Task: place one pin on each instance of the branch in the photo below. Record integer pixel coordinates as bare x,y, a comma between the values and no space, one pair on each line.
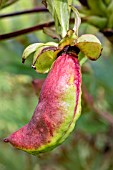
90,101
35,10
25,31
29,30
30,11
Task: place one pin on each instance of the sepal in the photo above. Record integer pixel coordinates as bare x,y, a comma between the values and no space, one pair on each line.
29,50
44,55
90,46
44,58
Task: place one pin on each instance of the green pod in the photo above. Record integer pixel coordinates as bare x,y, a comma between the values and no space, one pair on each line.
58,109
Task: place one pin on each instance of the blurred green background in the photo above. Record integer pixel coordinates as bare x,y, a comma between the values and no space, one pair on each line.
90,146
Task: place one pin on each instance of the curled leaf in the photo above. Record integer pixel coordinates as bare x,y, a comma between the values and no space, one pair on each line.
77,20
29,50
44,55
90,46
44,58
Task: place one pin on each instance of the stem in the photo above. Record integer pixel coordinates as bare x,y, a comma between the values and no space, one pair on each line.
25,31
30,11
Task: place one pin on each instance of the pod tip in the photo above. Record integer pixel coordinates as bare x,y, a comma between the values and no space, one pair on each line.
6,140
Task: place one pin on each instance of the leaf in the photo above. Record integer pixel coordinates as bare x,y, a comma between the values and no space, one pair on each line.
50,6
77,20
90,46
51,33
69,4
62,11
51,44
29,50
44,58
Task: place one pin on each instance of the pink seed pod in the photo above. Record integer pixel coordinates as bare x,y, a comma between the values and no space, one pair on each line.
58,109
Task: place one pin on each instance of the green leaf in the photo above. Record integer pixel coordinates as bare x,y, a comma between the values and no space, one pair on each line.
51,8
52,33
77,20
62,11
29,50
44,58
51,44
90,46
69,4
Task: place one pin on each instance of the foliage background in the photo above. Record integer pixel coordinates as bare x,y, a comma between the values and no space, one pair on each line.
90,146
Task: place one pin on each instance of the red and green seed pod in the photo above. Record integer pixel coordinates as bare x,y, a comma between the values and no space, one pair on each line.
58,109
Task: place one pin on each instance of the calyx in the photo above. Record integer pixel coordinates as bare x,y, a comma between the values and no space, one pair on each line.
45,54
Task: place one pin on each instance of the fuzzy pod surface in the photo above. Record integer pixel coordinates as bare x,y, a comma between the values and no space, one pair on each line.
58,109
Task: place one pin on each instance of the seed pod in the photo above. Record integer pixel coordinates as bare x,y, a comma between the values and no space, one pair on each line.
58,109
